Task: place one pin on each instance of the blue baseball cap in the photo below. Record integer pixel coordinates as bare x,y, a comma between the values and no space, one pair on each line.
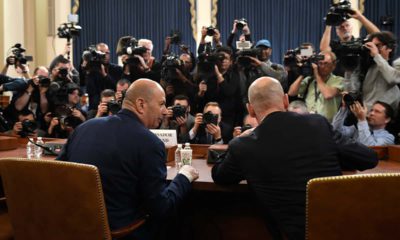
263,42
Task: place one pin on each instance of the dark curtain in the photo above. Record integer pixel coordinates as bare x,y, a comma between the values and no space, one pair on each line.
286,23
108,20
375,9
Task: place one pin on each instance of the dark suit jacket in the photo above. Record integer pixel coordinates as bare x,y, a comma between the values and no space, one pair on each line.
277,160
131,161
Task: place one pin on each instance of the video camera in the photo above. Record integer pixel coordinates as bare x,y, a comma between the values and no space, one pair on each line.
349,53
169,66
206,64
338,13
68,30
210,118
244,55
302,63
129,46
18,52
93,57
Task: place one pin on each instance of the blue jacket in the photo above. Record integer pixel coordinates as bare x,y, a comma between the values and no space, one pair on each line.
131,162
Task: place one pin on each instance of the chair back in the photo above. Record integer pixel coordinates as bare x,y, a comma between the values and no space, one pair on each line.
354,207
54,200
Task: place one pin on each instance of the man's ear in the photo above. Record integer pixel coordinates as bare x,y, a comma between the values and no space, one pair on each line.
139,104
250,109
286,101
387,120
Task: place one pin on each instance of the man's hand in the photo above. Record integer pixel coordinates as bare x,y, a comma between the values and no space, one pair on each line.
356,14
10,60
190,172
246,29
102,109
217,37
103,71
237,131
17,128
315,69
181,120
359,111
373,49
67,49
254,61
169,90
198,120
234,28
78,114
214,130
203,34
180,75
220,77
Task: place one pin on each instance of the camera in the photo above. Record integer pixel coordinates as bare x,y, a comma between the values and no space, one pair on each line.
206,64
43,81
210,118
63,73
93,57
246,127
64,114
130,47
175,37
28,127
178,111
350,98
210,31
306,64
338,13
350,52
169,66
68,30
241,23
113,107
243,56
18,52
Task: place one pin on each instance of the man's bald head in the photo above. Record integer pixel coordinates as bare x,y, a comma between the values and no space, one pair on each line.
266,93
141,88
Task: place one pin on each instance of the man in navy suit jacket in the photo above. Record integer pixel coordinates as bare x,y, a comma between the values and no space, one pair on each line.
280,155
131,160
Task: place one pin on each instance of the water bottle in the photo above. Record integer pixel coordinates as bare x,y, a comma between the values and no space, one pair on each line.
178,162
30,149
186,155
39,150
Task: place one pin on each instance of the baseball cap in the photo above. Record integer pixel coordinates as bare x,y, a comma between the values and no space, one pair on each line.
263,42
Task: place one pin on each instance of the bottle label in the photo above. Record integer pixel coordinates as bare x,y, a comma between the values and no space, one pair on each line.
186,157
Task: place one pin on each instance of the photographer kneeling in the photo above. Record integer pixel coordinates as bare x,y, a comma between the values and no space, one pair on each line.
370,127
26,125
207,127
178,117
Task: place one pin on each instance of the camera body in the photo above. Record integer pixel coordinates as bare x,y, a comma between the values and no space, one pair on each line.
338,13
350,98
350,53
240,23
64,113
210,118
113,107
28,127
43,81
18,52
210,31
131,48
178,111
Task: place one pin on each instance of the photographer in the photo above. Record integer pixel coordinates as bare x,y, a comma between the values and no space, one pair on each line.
219,81
61,62
381,77
212,32
177,78
178,117
344,31
97,70
108,105
370,128
296,63
242,25
322,90
207,128
121,88
66,116
260,65
249,122
26,125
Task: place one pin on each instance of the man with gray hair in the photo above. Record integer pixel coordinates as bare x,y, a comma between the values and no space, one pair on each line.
282,154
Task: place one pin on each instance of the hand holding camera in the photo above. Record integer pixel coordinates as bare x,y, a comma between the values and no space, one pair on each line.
214,130
359,111
202,88
17,128
102,109
373,49
10,60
